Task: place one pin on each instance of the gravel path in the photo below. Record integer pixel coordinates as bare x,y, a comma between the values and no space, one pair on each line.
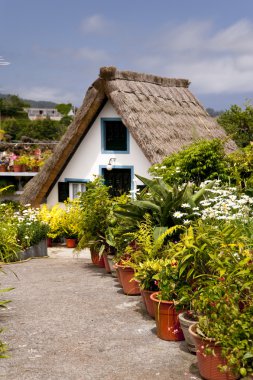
68,320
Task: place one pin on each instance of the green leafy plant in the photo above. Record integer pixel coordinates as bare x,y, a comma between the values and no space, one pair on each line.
72,218
3,302
238,123
225,309
161,201
146,273
196,163
53,217
95,204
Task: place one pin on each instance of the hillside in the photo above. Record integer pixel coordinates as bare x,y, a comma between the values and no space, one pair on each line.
34,103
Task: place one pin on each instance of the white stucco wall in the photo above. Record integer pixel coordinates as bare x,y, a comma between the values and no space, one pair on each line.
88,157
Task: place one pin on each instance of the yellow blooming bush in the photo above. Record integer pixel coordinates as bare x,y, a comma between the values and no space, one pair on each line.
62,221
54,218
72,218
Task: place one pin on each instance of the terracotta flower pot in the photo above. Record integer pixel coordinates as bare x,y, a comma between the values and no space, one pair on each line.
167,322
106,262
148,302
130,286
17,168
3,168
185,323
71,243
208,364
96,260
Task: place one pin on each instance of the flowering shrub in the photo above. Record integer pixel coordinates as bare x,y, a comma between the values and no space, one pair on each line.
20,228
220,203
30,229
53,217
72,219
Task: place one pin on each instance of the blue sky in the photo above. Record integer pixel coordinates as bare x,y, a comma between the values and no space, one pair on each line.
56,47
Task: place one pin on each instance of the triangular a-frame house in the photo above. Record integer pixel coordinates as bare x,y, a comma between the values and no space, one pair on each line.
129,119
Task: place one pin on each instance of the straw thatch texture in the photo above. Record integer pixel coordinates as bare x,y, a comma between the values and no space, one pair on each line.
161,114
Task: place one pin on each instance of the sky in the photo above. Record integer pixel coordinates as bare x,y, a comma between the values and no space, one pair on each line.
55,47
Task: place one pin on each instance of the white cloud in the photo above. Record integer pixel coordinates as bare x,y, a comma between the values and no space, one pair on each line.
191,35
47,93
89,54
94,24
236,38
3,62
215,61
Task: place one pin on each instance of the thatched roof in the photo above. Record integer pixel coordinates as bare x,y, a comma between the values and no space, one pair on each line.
161,114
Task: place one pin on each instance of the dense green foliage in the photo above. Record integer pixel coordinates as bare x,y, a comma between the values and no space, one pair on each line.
20,228
198,162
13,106
238,123
96,204
15,122
36,129
63,108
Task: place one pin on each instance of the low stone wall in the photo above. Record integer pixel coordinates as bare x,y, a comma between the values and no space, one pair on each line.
38,250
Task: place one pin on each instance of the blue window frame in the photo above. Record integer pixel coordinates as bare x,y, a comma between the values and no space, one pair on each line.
120,178
114,136
71,188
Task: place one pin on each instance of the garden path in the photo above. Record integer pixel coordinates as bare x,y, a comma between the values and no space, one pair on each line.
68,320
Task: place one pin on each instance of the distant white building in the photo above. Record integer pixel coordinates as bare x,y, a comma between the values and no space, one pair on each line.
43,113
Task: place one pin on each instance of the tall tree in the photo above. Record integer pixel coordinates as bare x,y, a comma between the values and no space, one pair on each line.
13,106
238,123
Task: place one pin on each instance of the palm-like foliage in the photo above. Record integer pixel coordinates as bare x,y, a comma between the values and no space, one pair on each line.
161,201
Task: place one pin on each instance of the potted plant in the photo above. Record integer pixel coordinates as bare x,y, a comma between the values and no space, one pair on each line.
167,303
223,334
95,204
53,217
3,164
71,221
145,273
142,247
21,163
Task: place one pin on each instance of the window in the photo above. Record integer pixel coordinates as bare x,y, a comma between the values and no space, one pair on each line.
76,188
70,190
63,191
114,136
119,180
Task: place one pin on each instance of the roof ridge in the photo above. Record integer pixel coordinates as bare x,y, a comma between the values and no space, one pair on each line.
109,73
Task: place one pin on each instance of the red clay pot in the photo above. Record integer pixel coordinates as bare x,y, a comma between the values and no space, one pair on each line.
208,364
49,242
17,168
106,262
3,168
96,260
130,286
70,243
167,322
148,302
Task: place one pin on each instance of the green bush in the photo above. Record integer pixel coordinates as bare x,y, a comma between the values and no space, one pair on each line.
95,204
198,162
238,123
